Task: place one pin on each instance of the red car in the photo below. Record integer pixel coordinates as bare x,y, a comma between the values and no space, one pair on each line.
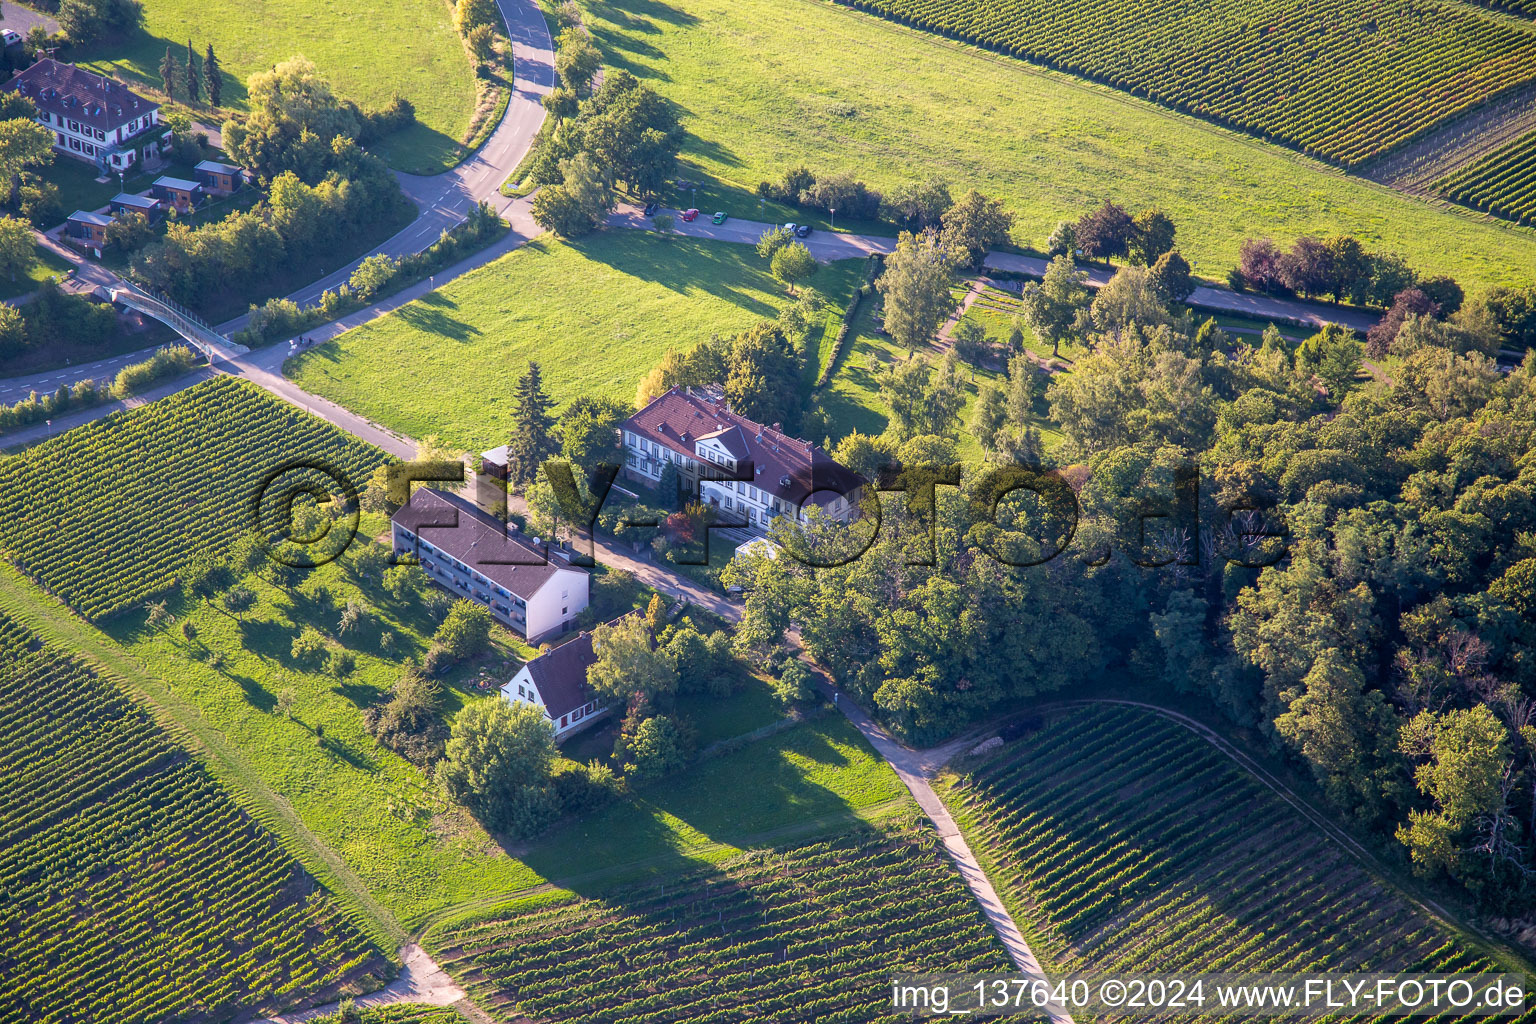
690,214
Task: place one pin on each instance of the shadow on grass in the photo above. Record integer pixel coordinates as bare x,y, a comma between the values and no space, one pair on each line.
256,695
683,265
429,313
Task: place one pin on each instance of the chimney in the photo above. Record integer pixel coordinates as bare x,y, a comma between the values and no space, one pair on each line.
778,426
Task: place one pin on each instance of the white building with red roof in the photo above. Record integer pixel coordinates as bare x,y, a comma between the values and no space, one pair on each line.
772,473
92,118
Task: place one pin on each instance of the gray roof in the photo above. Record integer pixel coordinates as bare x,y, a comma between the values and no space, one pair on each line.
216,167
130,199
462,530
87,217
180,183
560,673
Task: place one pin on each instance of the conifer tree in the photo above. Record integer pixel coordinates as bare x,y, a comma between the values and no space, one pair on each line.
532,438
211,76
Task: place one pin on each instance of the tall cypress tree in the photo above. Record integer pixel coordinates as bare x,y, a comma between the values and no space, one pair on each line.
532,438
168,68
194,82
211,75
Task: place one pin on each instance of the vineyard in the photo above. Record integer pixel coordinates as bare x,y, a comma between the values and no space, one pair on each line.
1344,80
1134,845
104,516
1502,183
131,887
801,934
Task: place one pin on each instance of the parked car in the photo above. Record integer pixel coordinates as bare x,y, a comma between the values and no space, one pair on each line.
692,213
802,230
651,208
720,217
790,228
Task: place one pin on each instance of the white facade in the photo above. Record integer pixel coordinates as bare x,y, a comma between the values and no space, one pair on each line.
647,459
551,609
522,690
80,140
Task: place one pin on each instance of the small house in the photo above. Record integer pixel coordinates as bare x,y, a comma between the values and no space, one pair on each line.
494,463
555,683
219,179
180,193
126,202
87,228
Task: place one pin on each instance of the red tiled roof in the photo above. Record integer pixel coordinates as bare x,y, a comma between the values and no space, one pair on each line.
79,95
784,466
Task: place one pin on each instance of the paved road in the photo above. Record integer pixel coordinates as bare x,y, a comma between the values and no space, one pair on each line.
446,199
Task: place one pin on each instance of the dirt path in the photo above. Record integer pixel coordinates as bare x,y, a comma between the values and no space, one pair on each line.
946,333
421,980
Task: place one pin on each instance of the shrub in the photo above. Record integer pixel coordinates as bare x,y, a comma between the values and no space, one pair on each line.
166,363
308,647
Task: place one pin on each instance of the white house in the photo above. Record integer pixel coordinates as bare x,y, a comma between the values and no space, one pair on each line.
471,553
779,475
556,683
92,118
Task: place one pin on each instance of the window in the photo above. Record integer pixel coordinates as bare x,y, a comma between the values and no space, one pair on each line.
563,719
520,692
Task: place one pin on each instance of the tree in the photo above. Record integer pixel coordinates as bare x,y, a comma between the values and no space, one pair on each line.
129,232
1171,277
1258,264
1466,752
193,77
577,61
308,648
1408,302
971,342
1349,264
793,263
918,205
532,441
772,241
973,226
628,663
580,203
239,600
206,577
1308,268
1130,298
1334,356
866,454
213,78
1343,731
1443,292
989,418
373,274
23,144
465,631
169,72
655,748
481,41
1054,308
796,684
18,251
842,193
1152,234
921,401
1062,240
762,375
469,13
1105,232
588,432
497,763
916,285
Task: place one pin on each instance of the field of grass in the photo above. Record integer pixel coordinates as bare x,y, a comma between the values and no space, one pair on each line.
850,91
80,514
369,51
135,888
1502,183
799,933
1128,843
47,265
597,314
1371,75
